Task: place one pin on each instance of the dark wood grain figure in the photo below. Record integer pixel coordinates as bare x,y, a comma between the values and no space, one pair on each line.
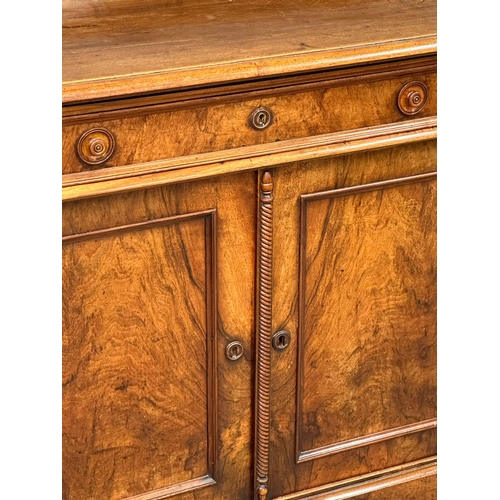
128,402
319,304
367,366
152,407
249,250
116,49
219,123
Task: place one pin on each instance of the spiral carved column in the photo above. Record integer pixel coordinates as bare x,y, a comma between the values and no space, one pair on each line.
264,334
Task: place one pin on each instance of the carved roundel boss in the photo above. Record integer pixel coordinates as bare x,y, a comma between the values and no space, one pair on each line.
95,146
412,98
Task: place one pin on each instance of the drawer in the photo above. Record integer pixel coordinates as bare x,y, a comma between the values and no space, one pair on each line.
346,101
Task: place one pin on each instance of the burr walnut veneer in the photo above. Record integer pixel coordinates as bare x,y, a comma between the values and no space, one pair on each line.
249,250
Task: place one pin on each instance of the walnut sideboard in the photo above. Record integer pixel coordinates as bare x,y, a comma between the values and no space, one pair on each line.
249,250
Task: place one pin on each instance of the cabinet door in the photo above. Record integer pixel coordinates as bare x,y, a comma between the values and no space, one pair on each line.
156,284
354,282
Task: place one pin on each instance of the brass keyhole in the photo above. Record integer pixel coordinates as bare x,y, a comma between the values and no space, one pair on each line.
261,118
281,340
234,350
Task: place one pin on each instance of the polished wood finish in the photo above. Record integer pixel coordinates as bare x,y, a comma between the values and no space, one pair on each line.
412,98
152,407
181,98
360,375
78,186
415,480
377,351
215,125
116,49
418,488
95,146
123,388
232,186
264,313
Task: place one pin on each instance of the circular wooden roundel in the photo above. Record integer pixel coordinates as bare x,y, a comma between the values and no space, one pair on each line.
95,146
412,98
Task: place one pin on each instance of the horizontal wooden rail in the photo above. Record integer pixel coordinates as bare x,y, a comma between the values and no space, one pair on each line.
187,168
258,68
361,485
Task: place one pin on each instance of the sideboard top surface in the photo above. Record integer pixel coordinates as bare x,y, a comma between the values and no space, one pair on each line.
117,48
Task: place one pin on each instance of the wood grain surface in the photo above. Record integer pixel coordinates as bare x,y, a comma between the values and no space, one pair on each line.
113,48
181,98
138,396
367,335
176,170
120,218
264,316
193,230
155,285
364,294
412,480
213,126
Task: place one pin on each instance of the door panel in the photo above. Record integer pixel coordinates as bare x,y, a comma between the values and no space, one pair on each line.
356,390
366,342
152,408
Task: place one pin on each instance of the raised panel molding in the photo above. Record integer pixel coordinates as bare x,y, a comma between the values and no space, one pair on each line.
162,172
249,250
132,397
386,482
408,214
376,437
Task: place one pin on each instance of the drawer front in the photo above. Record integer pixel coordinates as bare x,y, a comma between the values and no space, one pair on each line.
177,129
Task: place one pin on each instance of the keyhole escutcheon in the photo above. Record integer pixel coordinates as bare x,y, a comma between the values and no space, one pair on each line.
261,118
281,340
234,350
